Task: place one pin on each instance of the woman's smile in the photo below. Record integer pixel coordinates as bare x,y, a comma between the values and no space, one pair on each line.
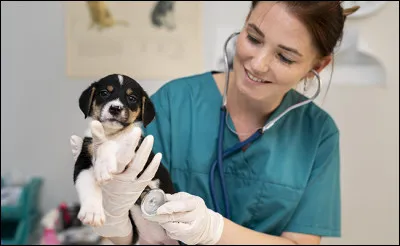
250,78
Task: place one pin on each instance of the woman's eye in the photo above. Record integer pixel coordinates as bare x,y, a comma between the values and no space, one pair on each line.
132,99
104,93
252,39
285,60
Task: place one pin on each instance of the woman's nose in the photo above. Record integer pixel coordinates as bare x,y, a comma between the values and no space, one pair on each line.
260,62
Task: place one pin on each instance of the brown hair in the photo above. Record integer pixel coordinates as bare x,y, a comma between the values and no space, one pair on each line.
325,22
323,19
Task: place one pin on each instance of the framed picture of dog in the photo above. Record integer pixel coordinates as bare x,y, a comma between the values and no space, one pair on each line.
149,40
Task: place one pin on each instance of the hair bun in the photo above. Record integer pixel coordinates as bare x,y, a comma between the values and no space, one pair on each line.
351,10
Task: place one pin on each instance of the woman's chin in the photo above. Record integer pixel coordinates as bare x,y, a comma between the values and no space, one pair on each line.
252,90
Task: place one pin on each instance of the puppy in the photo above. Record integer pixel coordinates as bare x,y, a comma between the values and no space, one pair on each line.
119,103
163,15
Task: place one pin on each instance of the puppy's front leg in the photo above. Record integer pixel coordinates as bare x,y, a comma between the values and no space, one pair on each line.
90,197
105,161
127,143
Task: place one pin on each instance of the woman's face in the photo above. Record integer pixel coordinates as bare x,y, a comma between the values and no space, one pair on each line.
274,51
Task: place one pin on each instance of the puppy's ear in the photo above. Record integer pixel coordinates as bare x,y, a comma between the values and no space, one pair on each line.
85,100
148,111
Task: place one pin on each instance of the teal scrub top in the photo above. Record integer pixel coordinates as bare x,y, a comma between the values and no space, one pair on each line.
287,180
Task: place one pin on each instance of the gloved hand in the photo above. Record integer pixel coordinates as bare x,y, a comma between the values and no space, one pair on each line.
122,190
186,218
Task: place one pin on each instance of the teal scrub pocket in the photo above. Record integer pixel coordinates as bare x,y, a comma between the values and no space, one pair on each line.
274,206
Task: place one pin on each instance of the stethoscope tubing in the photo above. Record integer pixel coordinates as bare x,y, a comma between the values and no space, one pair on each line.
224,154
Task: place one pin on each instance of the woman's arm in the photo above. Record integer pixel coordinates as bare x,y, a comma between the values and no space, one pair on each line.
237,234
199,225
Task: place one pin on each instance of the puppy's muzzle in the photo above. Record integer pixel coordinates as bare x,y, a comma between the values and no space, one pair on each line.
115,110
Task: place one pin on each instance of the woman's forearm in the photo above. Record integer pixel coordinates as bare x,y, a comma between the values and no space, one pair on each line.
237,234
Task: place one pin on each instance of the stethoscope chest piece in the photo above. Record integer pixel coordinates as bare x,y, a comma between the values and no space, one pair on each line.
152,201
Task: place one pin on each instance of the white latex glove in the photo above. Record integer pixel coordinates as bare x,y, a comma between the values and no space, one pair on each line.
186,218
122,190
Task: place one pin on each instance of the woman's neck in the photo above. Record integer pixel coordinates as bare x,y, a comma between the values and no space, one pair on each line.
246,114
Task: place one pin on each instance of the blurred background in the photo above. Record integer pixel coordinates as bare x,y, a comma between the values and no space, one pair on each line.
39,113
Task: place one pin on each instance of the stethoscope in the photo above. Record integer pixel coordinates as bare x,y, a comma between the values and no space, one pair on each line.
224,154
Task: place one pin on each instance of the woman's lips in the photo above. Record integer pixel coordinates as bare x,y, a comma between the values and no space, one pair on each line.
253,79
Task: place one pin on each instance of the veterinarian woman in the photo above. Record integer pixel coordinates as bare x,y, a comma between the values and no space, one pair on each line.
283,188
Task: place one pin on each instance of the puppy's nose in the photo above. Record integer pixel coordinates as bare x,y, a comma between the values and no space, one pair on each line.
115,110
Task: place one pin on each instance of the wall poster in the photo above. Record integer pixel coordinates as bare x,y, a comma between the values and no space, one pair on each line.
147,40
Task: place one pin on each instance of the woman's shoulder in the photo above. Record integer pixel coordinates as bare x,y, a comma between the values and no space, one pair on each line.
313,115
197,87
189,82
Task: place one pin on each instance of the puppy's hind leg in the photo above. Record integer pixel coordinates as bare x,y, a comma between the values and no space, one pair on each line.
90,196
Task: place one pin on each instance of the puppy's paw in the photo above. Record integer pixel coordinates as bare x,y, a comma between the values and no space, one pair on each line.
104,169
92,212
105,164
97,132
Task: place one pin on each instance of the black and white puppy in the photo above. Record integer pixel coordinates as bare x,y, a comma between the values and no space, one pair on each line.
119,103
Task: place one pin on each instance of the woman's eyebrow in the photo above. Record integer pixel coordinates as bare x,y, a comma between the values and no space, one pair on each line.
290,49
256,29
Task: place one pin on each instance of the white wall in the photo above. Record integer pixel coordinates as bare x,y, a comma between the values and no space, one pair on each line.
39,112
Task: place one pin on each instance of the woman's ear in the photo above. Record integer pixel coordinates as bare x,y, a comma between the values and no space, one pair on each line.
320,65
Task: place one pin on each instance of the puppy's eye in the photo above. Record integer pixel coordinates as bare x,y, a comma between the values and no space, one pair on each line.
104,93
132,99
